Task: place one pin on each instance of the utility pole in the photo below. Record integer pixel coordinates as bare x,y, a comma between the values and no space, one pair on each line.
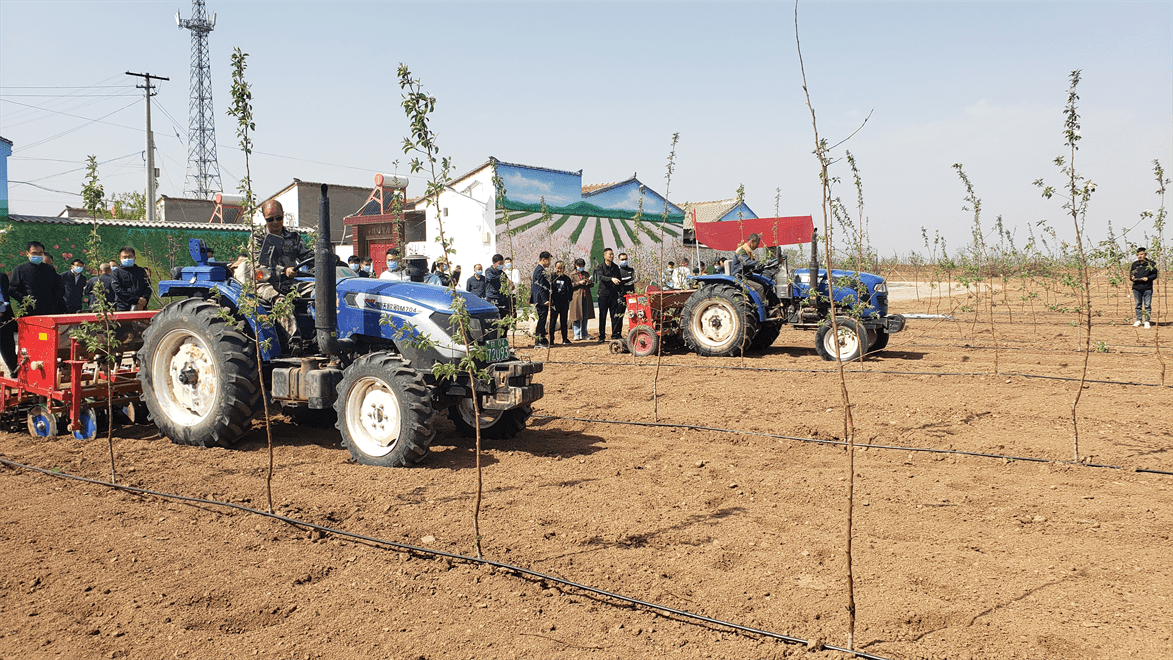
147,87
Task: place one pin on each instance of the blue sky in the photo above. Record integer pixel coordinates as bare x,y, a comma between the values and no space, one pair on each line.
602,87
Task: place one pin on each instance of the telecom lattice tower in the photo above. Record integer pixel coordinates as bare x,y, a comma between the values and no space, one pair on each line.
203,170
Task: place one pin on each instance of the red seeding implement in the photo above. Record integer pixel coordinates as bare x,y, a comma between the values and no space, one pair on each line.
653,317
57,377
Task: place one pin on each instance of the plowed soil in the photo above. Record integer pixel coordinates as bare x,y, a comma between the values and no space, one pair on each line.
955,556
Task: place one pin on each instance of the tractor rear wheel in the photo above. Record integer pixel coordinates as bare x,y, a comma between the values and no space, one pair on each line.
718,322
852,340
385,412
495,424
198,375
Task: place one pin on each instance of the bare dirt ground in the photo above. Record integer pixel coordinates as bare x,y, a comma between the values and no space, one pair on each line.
955,556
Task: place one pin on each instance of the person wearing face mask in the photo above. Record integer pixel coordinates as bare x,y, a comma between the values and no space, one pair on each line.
395,269
354,262
105,276
495,278
439,274
477,285
368,267
582,305
132,286
74,283
38,280
561,291
626,275
513,273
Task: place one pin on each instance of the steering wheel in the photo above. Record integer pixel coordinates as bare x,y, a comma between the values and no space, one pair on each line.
766,265
307,263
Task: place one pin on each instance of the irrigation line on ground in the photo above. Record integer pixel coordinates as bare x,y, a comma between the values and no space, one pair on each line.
857,371
449,555
841,443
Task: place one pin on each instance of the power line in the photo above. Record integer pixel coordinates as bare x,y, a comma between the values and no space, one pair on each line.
63,192
76,128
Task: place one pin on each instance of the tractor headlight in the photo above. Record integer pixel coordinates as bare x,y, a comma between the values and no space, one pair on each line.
882,287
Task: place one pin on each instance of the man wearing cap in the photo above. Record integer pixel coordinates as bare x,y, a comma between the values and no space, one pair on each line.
1142,273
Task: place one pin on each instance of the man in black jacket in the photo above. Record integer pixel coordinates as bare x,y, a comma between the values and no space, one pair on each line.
1142,273
610,282
38,280
74,283
7,328
106,277
477,285
561,289
132,286
539,295
627,275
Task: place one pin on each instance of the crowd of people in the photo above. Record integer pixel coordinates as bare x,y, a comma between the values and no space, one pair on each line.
35,288
565,296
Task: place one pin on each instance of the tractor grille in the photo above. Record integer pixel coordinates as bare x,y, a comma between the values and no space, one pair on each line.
482,326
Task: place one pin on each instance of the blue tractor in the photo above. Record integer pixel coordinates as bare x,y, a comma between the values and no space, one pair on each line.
355,351
723,317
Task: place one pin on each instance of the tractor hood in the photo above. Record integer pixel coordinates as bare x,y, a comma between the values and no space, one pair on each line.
405,297
875,298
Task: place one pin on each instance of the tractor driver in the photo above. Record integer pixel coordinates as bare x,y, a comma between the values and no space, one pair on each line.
744,263
278,251
280,258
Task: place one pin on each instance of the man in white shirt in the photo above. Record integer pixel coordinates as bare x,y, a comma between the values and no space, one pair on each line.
395,271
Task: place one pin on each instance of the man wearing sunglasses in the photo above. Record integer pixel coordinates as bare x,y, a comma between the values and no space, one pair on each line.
278,251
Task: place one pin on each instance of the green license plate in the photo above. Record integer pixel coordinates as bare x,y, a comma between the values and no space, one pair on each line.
498,350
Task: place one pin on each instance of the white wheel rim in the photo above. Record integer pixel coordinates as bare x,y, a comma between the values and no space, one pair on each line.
186,376
848,343
487,417
373,416
713,323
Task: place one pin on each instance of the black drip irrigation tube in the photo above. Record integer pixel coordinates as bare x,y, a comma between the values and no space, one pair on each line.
853,371
440,553
842,443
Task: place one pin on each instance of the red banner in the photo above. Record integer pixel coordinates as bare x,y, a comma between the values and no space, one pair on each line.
774,231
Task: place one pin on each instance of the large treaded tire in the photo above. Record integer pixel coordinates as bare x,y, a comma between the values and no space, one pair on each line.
716,322
385,412
853,340
767,334
878,340
198,375
502,426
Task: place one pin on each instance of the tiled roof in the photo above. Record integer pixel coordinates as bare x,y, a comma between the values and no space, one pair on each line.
707,211
596,188
56,220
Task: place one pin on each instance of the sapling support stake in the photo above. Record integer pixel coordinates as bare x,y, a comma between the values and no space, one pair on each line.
848,423
663,221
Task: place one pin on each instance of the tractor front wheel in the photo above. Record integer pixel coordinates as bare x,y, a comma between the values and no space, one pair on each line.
384,412
852,340
494,424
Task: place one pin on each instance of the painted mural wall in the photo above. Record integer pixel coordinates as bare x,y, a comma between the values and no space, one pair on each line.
574,225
